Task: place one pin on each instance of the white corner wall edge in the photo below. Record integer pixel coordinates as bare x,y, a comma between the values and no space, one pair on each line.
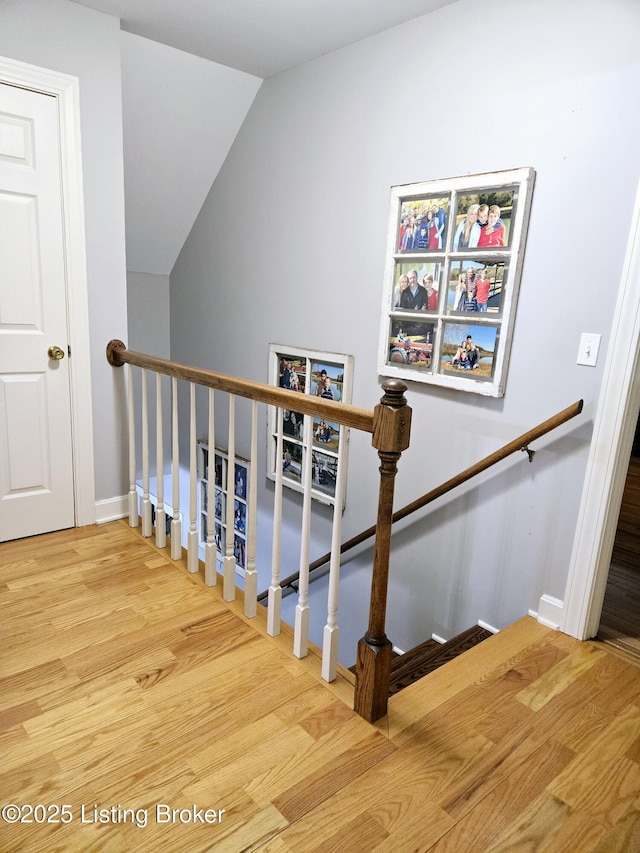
66,89
613,431
550,612
111,509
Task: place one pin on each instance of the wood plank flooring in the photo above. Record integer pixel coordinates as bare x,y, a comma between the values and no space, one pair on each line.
126,683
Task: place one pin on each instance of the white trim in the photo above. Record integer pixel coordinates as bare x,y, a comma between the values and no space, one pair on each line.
488,627
608,462
111,509
550,612
66,89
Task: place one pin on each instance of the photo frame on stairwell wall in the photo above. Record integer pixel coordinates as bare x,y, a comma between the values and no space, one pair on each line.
325,375
454,257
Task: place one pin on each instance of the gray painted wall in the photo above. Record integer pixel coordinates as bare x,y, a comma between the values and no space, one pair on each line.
290,246
71,39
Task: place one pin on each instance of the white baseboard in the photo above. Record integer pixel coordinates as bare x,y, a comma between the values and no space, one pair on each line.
550,612
488,627
111,509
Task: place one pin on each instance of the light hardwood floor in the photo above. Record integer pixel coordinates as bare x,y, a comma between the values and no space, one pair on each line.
126,683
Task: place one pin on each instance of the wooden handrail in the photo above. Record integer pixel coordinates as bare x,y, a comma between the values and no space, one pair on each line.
390,426
520,443
342,413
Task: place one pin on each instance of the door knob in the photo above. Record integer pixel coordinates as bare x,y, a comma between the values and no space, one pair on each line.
55,353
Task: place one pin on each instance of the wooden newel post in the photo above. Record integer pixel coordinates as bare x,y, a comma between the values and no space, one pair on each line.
391,429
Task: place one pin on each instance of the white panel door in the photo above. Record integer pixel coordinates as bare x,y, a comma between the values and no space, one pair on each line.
36,470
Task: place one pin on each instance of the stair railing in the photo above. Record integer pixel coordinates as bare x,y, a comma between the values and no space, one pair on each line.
389,424
364,660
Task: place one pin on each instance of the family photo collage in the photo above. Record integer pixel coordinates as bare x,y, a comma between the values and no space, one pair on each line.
453,274
328,377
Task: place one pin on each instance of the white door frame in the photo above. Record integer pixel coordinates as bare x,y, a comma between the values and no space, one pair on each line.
611,442
66,89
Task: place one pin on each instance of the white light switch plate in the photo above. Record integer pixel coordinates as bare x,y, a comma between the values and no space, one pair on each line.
588,350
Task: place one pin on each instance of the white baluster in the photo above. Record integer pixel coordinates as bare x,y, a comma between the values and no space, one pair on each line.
275,590
192,536
210,551
301,631
133,495
331,631
147,528
251,575
229,562
161,515
176,525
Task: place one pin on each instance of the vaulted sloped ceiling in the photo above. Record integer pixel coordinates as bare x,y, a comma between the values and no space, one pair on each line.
180,117
190,72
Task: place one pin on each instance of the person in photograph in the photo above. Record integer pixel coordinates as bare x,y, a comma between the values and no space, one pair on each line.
482,283
294,380
421,241
403,228
285,382
440,219
472,354
460,357
470,302
493,232
323,376
327,390
461,293
409,234
432,293
240,490
483,215
468,231
414,298
403,284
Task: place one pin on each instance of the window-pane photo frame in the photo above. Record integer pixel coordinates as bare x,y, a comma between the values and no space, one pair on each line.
328,376
454,257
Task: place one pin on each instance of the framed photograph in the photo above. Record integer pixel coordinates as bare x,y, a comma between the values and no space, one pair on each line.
423,222
240,490
459,273
214,517
325,375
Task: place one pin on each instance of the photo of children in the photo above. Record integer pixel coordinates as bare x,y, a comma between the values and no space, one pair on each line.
483,219
469,350
326,434
423,224
327,380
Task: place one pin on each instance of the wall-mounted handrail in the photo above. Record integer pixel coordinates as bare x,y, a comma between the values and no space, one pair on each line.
518,444
351,416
